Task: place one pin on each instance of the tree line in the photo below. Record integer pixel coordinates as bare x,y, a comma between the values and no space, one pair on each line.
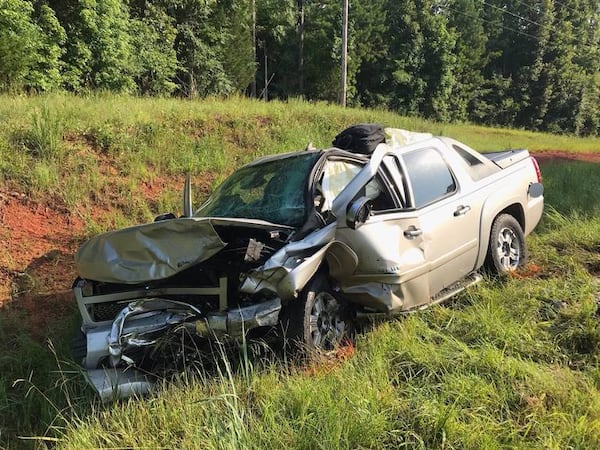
523,63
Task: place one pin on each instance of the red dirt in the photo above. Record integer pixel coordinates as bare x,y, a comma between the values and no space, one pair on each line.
36,263
530,270
37,243
324,363
546,156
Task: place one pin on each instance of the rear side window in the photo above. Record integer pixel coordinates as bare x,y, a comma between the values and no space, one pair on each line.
475,167
429,176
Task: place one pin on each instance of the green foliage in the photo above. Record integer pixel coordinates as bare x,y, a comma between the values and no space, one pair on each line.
98,54
235,17
471,40
508,364
154,60
29,46
501,62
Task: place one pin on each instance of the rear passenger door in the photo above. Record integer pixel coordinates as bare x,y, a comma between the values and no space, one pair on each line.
449,222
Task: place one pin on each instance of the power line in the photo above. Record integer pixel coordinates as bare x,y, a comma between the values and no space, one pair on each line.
507,11
528,6
565,6
519,32
547,27
491,21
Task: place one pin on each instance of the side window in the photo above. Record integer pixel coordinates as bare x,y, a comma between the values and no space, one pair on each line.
429,176
376,191
336,176
475,167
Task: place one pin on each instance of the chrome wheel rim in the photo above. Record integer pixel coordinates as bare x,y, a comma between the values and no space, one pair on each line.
508,249
326,326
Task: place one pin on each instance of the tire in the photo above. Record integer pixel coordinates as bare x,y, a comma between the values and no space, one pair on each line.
316,320
507,250
79,347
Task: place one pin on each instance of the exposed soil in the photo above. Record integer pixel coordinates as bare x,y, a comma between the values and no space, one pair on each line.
38,241
36,263
547,156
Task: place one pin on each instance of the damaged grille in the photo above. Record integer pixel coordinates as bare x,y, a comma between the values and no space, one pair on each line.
106,311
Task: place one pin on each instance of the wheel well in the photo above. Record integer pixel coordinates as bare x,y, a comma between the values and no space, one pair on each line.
516,211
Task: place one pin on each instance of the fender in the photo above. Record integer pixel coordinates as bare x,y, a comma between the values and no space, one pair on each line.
493,206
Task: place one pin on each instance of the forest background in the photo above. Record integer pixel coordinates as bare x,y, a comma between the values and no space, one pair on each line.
531,64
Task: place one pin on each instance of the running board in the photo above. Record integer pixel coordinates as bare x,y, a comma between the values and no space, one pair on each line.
455,288
444,294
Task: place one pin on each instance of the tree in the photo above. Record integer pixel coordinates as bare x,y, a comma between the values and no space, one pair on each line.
421,58
154,60
98,51
466,22
29,46
233,19
213,45
278,45
368,49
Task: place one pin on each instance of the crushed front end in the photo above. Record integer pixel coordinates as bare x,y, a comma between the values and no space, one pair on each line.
131,329
126,325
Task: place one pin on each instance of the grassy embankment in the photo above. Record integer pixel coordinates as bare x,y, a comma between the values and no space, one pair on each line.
509,363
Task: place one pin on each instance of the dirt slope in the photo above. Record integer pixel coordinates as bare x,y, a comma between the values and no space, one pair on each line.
38,241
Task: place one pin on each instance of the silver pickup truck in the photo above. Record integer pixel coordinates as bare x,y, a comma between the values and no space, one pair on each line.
305,245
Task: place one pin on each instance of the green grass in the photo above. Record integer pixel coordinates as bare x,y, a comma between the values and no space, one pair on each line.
509,364
496,368
53,146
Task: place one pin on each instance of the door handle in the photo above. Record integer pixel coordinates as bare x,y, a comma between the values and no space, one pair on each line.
462,210
413,232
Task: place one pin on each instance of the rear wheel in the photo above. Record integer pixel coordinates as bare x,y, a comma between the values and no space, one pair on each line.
507,249
317,319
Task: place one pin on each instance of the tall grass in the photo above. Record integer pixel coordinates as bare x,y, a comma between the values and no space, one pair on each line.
78,148
486,371
509,364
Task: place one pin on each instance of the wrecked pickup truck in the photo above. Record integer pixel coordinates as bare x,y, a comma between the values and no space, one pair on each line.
305,243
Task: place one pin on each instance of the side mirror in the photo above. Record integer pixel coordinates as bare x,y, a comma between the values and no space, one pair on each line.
187,197
358,212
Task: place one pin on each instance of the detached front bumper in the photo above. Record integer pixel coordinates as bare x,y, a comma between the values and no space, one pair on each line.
141,323
115,383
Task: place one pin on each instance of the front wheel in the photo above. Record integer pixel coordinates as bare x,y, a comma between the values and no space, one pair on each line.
317,319
507,249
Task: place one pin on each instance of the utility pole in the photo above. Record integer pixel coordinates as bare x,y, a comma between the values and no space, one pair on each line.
253,85
266,91
301,50
344,53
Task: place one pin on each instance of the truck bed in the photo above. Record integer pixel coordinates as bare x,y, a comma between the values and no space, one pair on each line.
506,158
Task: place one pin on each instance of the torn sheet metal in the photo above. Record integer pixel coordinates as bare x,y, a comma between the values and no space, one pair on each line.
148,252
290,268
237,322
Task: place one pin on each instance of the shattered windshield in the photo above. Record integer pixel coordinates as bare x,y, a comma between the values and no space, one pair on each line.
273,191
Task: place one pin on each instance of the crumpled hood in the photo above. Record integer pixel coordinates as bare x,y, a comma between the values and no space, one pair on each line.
148,252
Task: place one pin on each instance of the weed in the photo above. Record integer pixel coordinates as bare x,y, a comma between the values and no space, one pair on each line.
508,364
